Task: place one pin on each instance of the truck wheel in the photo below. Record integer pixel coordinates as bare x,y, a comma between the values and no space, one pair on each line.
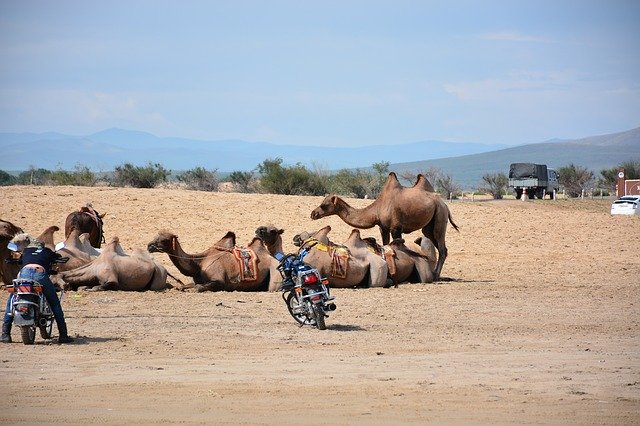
540,194
532,195
518,193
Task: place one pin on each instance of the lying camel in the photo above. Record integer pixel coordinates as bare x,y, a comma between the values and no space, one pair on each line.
223,266
113,269
78,249
8,271
353,264
398,210
405,264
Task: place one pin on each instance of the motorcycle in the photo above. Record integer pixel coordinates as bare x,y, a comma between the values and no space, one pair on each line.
30,308
304,291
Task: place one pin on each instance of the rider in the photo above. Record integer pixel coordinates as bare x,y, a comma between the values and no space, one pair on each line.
36,263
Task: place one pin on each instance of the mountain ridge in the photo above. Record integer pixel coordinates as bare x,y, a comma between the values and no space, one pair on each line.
465,162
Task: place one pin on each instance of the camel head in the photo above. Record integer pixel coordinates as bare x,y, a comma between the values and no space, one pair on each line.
320,235
269,234
163,242
328,207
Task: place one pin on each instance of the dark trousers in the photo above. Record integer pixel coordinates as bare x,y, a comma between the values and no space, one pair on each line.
49,291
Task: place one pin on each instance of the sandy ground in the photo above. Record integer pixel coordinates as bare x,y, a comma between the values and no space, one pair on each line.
538,325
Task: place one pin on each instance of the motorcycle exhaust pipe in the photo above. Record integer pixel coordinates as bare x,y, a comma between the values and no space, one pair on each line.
42,322
330,307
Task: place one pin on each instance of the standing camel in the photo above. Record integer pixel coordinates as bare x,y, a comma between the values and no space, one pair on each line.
397,210
219,267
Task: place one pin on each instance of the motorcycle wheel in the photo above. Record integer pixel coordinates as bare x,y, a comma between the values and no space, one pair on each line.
318,313
28,333
45,330
292,303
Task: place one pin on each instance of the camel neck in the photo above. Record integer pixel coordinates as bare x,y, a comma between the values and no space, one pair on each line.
366,217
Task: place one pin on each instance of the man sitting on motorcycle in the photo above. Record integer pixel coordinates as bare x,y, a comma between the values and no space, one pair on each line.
36,261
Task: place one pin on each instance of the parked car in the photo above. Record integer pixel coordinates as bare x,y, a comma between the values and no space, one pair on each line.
629,204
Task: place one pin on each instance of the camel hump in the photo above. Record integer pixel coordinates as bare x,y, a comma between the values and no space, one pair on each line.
392,183
423,183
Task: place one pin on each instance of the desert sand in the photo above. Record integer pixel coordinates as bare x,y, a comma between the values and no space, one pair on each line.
537,323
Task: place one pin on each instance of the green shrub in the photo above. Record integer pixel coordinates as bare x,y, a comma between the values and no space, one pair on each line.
293,180
6,179
200,179
140,177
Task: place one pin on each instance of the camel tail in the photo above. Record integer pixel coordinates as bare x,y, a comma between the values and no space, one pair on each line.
453,223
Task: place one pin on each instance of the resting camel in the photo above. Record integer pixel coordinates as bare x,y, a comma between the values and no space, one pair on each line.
8,271
353,264
78,249
223,266
86,219
398,210
113,269
405,264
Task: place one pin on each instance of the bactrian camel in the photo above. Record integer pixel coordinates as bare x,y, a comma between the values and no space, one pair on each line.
8,271
398,210
86,219
113,269
352,264
220,267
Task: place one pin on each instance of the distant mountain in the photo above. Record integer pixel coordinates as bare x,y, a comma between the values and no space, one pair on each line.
465,162
104,150
595,153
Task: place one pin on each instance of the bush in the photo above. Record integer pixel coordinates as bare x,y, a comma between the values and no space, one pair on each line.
243,181
496,184
575,179
609,177
34,176
294,180
200,179
140,177
6,179
82,176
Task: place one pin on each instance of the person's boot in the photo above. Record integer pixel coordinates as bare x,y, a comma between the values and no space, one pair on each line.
6,333
64,337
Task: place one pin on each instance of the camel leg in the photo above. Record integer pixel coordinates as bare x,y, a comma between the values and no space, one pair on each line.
384,233
436,231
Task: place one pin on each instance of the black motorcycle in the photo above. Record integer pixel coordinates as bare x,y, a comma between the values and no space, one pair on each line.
30,308
304,291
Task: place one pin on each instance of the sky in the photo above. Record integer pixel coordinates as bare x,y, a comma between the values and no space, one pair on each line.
336,73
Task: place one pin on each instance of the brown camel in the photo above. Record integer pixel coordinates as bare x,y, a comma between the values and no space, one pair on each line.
113,269
397,210
353,264
271,236
405,264
86,219
78,249
8,271
223,266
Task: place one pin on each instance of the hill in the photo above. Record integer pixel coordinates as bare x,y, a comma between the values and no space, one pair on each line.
104,150
465,162
595,153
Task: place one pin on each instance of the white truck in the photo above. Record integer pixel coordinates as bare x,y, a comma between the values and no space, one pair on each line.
536,179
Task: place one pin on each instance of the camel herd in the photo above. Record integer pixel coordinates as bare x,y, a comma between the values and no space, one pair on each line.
225,266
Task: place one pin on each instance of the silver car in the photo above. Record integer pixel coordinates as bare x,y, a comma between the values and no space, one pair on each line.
629,204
